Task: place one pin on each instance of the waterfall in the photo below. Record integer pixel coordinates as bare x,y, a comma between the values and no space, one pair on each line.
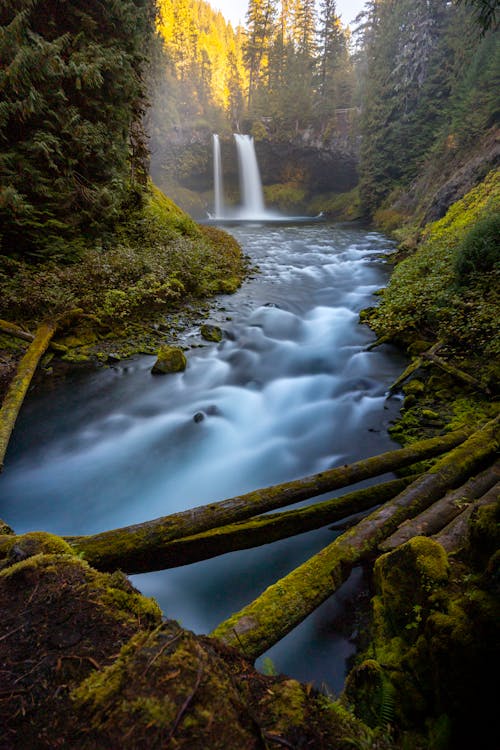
250,182
218,186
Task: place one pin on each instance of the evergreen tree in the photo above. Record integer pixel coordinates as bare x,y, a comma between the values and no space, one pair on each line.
335,82
261,17
406,90
70,117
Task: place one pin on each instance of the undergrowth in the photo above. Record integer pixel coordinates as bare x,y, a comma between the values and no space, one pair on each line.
157,256
433,291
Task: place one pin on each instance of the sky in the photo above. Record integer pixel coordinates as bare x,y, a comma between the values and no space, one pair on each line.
235,10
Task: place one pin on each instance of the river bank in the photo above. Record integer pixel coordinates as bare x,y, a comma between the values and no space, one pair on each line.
422,632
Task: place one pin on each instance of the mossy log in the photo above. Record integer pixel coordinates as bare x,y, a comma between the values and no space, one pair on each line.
20,383
12,330
139,544
442,512
282,606
455,371
385,339
454,536
245,534
414,366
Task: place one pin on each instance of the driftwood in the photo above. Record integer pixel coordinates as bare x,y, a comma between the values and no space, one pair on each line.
282,606
139,544
20,383
435,518
454,536
245,534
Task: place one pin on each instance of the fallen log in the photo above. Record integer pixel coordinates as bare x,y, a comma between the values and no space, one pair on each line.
413,367
282,606
455,371
12,330
435,518
20,383
382,340
244,534
138,544
454,536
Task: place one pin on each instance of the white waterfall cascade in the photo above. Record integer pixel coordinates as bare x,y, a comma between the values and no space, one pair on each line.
218,184
252,206
250,182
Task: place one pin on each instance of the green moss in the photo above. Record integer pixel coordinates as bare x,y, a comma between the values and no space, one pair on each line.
340,206
406,578
288,705
17,548
286,197
422,294
211,333
170,359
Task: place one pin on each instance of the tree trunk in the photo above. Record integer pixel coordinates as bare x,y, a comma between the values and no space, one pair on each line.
243,535
444,510
454,536
139,544
20,383
282,606
12,330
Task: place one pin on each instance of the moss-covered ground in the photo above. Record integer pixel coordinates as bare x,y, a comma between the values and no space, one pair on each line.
135,289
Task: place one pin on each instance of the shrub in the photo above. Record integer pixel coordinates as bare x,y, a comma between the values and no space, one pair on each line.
479,251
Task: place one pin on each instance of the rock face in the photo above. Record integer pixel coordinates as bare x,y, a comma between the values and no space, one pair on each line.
308,162
87,663
170,359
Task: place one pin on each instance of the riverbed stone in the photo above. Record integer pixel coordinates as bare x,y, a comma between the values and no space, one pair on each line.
211,332
169,359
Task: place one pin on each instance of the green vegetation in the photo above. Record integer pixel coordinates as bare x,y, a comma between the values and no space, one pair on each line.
158,258
427,294
429,86
70,120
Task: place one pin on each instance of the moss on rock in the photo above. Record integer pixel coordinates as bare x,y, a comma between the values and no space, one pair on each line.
170,359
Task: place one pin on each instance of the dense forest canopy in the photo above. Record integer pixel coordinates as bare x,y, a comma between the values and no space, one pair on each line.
290,65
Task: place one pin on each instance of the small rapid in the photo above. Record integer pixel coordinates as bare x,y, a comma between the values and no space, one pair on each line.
291,390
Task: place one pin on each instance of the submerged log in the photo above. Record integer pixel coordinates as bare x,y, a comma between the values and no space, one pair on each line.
444,510
20,383
139,544
454,536
282,606
245,534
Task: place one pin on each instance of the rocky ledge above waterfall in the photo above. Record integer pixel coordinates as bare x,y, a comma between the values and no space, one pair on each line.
309,165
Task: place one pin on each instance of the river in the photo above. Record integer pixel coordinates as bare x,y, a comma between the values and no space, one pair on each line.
289,391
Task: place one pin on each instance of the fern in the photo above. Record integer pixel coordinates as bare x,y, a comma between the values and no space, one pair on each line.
387,702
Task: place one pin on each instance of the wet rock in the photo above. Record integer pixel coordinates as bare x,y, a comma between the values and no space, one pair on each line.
198,417
170,359
211,332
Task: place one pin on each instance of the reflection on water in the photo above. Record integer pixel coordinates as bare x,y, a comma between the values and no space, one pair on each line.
289,391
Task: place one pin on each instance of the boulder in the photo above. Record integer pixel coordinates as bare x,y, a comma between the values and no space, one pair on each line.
211,332
169,359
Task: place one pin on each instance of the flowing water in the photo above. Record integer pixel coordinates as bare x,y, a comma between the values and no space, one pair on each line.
288,392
